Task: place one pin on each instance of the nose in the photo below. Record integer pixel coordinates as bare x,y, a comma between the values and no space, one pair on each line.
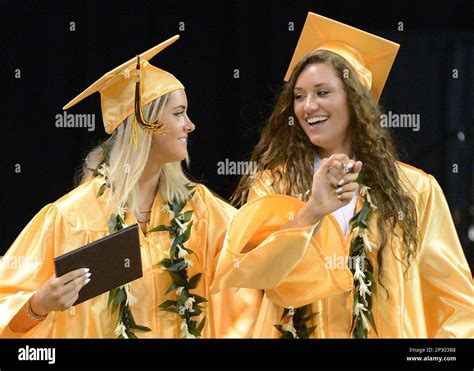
311,104
189,127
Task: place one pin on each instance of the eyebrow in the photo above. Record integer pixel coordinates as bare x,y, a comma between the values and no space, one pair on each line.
316,86
180,106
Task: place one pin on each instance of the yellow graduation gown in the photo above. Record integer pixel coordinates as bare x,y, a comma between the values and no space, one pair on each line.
295,268
79,218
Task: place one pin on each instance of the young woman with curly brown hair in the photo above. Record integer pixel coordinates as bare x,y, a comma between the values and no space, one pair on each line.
386,261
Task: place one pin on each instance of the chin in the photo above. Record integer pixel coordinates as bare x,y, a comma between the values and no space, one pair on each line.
316,140
176,157
182,156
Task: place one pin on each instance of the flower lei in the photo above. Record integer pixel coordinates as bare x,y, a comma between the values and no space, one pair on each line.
120,297
186,305
363,272
295,327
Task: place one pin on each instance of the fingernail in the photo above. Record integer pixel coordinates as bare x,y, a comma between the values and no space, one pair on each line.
87,281
88,275
341,182
339,190
86,270
330,157
339,197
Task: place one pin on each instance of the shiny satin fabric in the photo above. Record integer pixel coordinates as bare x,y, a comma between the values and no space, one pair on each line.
79,218
295,269
370,55
354,58
117,87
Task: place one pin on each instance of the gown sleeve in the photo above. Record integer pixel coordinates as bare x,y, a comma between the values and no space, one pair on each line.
27,264
291,265
234,310
446,280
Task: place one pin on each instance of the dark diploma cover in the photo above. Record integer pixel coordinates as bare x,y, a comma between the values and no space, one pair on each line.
113,261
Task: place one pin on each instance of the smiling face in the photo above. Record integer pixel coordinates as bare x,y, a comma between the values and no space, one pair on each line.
320,105
171,146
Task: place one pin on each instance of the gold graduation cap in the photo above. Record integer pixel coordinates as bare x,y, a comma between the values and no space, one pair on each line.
370,56
127,88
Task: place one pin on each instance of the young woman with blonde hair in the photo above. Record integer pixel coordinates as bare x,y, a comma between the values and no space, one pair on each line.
135,176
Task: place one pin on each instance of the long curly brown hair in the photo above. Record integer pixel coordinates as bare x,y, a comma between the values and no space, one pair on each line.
287,152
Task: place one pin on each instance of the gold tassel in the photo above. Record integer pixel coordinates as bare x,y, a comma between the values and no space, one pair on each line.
135,133
154,127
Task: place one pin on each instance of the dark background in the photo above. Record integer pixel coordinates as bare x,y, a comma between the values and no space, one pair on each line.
56,64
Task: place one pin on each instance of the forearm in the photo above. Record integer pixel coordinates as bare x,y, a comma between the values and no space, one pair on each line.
305,217
22,322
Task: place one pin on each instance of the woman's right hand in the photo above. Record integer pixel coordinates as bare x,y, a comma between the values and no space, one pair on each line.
59,293
327,194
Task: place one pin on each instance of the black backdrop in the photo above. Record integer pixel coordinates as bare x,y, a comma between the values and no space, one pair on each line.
46,63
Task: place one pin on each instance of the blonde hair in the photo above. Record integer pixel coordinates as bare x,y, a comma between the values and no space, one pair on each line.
126,163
